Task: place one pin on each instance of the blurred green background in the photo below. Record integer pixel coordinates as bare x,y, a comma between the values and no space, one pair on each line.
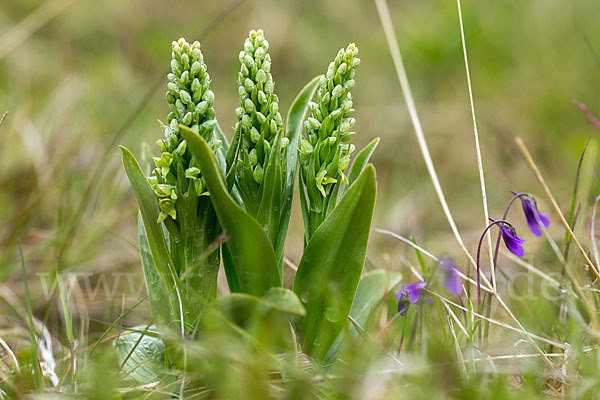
73,71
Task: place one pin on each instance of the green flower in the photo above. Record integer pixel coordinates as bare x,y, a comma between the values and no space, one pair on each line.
259,121
326,150
191,103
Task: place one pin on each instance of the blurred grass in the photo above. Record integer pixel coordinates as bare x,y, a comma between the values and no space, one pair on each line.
72,83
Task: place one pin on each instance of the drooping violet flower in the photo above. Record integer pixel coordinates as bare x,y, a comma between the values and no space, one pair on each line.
452,281
534,217
411,294
511,240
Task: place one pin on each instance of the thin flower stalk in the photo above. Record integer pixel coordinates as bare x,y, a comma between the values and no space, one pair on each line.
512,241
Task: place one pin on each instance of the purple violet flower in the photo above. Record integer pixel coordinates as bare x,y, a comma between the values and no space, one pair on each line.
511,240
452,280
411,294
534,217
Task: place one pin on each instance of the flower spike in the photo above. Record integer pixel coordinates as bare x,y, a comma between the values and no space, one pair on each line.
259,120
326,149
191,103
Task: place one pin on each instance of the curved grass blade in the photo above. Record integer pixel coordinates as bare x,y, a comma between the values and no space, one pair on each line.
332,264
249,250
293,130
39,377
65,302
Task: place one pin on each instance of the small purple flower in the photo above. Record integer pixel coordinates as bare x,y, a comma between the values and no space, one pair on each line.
511,240
411,294
451,278
534,217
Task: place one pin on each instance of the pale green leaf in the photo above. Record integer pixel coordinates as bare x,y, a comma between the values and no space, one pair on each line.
249,250
332,264
140,355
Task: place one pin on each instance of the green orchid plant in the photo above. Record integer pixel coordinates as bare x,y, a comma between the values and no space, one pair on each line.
207,202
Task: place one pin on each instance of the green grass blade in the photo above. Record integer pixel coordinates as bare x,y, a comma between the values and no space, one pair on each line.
293,131
111,327
39,378
249,250
575,191
332,264
65,301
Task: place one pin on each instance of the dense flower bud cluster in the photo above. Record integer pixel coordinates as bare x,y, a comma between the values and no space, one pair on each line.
191,104
325,152
259,120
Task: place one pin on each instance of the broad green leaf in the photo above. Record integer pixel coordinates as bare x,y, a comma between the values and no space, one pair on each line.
332,264
277,298
269,211
249,249
155,287
293,131
372,288
264,321
360,162
284,300
156,241
141,356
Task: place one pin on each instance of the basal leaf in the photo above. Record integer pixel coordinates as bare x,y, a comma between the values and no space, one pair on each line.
249,250
277,298
154,285
154,233
360,162
141,356
264,321
332,264
284,300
